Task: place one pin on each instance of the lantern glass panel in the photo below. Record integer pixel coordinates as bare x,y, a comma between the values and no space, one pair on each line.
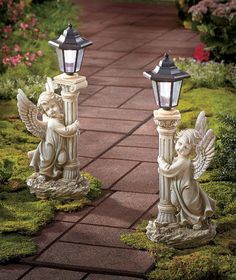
155,90
70,59
79,59
164,89
60,59
176,92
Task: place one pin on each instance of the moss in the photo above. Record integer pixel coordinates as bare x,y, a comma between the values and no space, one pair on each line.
212,101
13,246
21,212
71,205
224,193
94,184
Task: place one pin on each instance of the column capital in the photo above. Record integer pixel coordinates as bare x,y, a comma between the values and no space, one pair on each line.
166,119
71,83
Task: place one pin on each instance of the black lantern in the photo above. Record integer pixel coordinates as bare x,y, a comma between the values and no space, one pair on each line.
166,82
70,50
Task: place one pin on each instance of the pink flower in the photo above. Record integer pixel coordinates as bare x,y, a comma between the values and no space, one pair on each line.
200,54
17,48
33,21
28,63
24,25
32,57
5,49
36,30
26,55
15,59
7,29
39,53
5,60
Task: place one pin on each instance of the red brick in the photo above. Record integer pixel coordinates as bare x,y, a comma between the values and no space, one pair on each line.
107,125
96,257
96,235
120,81
142,179
145,141
99,42
150,215
109,277
98,62
117,72
84,161
132,153
134,61
91,89
88,70
143,100
125,45
104,54
12,271
110,170
111,96
149,128
50,233
42,273
121,209
91,144
110,113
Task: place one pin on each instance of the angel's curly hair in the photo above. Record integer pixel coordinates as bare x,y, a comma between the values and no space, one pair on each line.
192,135
47,96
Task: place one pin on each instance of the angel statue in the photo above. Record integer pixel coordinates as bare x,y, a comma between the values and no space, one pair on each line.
49,158
193,206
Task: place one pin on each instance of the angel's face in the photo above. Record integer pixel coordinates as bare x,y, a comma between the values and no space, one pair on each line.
182,147
51,109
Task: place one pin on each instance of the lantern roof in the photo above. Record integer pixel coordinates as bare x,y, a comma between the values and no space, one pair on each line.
166,71
70,40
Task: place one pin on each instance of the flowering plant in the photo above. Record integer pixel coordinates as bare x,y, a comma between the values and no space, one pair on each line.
216,19
201,54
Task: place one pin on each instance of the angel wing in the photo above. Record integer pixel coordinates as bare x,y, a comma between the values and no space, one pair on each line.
205,149
28,113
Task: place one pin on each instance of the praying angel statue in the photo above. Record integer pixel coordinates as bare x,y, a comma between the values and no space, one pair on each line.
193,206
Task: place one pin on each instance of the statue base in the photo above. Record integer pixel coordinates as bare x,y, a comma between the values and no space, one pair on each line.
61,188
178,236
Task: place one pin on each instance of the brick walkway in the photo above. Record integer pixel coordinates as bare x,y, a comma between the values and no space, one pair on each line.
118,144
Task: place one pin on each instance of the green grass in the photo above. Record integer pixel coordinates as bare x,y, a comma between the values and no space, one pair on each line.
14,246
212,101
214,261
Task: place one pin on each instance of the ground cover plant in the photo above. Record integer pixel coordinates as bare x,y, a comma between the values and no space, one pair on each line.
26,27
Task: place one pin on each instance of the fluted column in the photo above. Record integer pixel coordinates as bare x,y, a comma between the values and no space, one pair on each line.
166,121
71,86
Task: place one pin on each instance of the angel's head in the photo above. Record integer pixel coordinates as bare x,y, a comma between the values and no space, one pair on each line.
187,140
50,103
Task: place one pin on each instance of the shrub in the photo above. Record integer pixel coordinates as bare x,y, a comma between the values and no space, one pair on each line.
183,7
225,159
216,19
210,74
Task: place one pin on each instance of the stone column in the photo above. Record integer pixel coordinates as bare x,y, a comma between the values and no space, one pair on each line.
166,121
71,86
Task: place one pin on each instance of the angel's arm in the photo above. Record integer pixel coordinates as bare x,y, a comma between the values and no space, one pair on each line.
68,131
29,115
171,170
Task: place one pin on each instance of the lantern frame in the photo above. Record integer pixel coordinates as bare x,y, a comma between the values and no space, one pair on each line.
70,47
166,72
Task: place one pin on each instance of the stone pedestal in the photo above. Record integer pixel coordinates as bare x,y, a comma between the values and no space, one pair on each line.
166,122
71,86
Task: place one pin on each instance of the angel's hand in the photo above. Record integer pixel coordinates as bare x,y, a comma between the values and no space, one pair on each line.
76,126
160,160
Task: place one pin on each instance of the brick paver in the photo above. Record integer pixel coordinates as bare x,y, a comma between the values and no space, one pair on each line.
118,144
